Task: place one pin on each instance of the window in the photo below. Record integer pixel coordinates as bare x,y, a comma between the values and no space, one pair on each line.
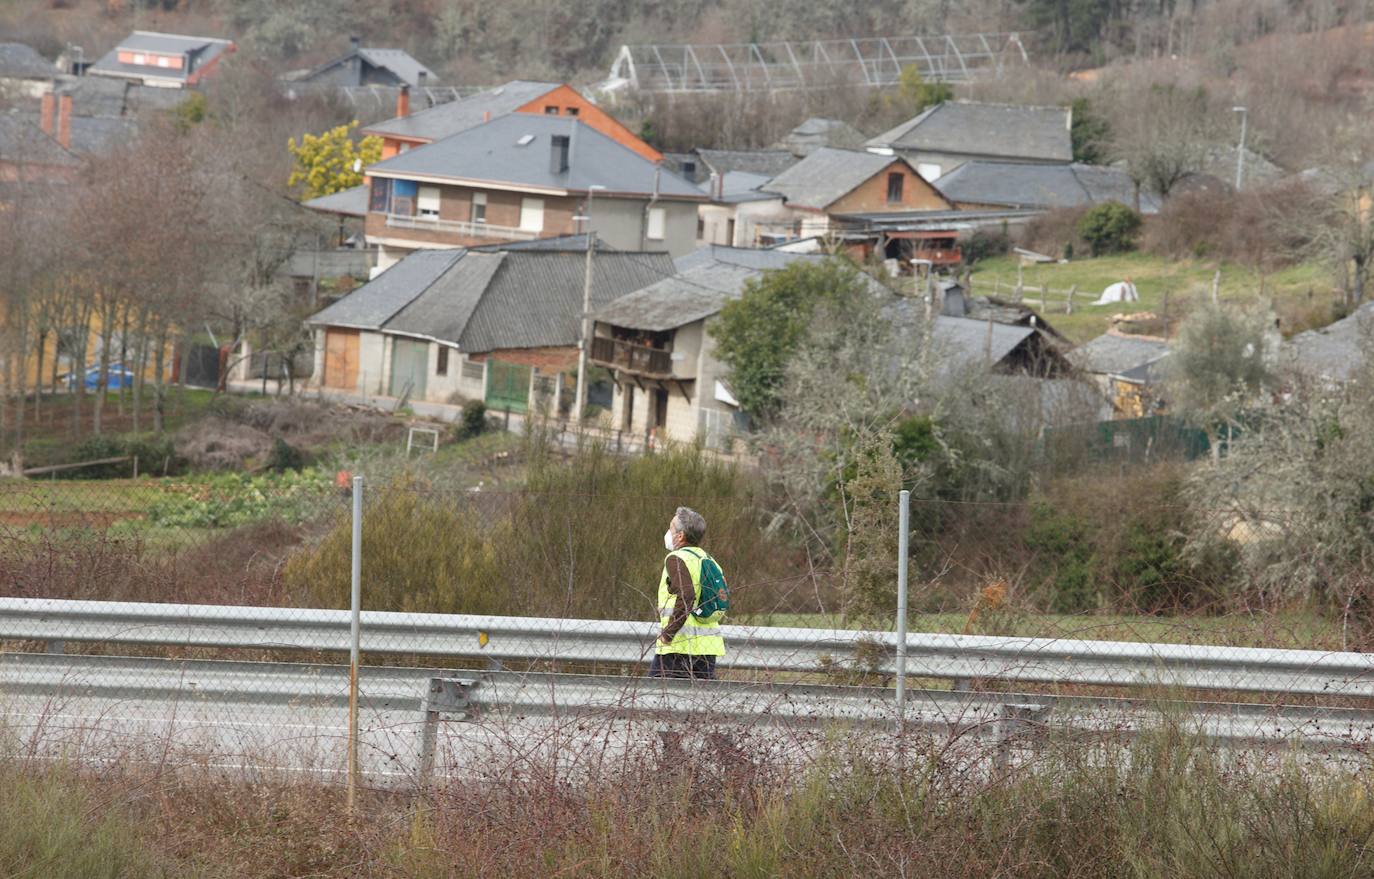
404,147
381,195
730,231
657,220
162,61
479,207
140,58
701,227
441,368
472,370
550,111
929,170
894,186
532,215
689,170
427,202
571,111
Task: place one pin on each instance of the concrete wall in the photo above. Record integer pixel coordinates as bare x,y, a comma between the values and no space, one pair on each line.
622,223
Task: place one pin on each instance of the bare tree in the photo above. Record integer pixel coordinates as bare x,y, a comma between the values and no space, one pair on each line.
1161,132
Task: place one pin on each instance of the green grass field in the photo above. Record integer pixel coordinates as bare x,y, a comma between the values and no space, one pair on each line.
1302,295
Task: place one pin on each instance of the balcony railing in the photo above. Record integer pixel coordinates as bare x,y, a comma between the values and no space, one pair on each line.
460,228
630,357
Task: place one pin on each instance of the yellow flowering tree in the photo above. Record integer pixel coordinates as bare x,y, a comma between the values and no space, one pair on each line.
325,162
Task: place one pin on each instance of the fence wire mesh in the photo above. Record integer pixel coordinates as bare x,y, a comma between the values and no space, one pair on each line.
541,604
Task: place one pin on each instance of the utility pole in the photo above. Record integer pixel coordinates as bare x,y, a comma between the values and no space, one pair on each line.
584,338
1240,150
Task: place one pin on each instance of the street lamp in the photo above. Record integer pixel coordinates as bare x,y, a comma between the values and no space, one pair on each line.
1240,150
580,399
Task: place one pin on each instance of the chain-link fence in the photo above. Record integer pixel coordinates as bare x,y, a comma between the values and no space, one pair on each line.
530,616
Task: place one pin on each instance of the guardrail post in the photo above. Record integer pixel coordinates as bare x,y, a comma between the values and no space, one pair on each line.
355,638
445,696
1014,721
903,526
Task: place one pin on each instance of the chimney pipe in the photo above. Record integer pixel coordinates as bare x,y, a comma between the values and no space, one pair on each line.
45,114
403,101
486,115
64,121
355,62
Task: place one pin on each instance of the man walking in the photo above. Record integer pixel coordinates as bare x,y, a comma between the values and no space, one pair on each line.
692,600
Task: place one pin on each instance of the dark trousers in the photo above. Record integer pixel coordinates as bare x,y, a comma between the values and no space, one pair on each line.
682,665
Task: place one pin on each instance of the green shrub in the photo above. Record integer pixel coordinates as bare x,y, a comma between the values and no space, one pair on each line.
984,244
1065,558
284,457
474,421
1110,227
229,500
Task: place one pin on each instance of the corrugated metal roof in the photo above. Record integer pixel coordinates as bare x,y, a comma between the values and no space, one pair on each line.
445,120
535,300
350,202
826,176
1112,354
443,310
1002,130
19,61
1016,184
516,149
747,257
377,301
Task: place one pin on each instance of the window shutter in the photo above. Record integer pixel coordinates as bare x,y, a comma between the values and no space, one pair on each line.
532,214
657,221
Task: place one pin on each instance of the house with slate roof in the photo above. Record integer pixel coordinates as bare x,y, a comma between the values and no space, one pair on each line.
670,385
1127,369
28,156
521,177
945,136
410,129
170,61
24,73
369,65
992,186
499,325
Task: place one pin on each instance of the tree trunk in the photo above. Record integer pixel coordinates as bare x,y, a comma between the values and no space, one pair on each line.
139,368
123,357
159,368
38,374
102,383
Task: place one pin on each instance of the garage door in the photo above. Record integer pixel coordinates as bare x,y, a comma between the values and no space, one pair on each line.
341,359
409,368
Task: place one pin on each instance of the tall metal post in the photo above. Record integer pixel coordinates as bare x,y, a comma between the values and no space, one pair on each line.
904,526
355,639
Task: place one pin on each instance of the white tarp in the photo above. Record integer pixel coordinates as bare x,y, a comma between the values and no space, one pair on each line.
1121,291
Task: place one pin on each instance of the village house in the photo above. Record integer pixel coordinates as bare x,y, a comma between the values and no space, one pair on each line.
993,186
168,61
1125,369
669,384
498,325
701,165
522,177
30,156
24,73
818,197
945,136
367,66
416,127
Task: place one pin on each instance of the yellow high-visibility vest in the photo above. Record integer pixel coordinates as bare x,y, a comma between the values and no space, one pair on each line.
696,637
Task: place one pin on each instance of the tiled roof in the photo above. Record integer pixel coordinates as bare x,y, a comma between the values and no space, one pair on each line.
1021,185
199,50
1111,354
18,61
444,120
993,130
826,175
516,150
682,299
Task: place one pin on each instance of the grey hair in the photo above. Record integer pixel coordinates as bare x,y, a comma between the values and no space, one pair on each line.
691,523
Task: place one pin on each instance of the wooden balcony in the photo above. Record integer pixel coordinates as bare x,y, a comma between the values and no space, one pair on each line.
939,256
629,357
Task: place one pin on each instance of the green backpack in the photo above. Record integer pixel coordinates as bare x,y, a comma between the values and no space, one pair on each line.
715,594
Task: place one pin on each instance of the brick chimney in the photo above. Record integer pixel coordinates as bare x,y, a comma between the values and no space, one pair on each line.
45,112
64,121
403,101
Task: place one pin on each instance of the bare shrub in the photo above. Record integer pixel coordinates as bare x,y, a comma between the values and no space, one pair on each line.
218,444
1055,233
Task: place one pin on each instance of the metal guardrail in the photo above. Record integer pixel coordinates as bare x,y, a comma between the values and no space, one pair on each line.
958,658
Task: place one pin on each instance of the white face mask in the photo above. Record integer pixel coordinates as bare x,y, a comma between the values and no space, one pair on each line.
668,540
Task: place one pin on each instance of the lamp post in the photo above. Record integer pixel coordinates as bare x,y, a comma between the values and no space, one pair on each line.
1240,150
583,342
